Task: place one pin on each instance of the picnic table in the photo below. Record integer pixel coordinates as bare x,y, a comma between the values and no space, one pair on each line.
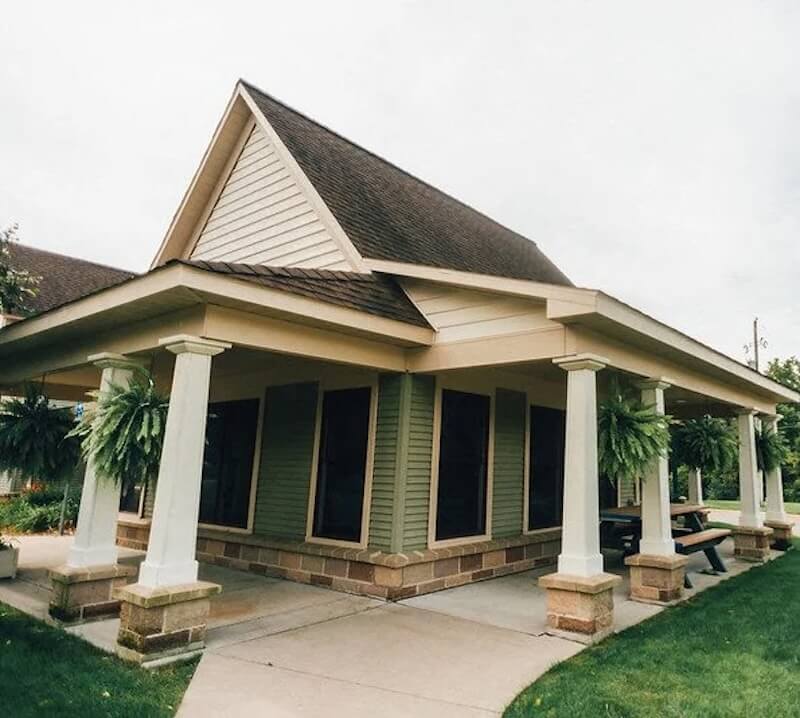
621,528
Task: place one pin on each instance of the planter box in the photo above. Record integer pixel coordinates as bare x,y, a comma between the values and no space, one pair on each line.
8,562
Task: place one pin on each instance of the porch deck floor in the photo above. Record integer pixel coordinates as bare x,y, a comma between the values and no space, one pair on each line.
291,649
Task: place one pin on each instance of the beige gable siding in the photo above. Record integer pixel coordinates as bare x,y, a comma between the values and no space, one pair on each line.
463,314
262,216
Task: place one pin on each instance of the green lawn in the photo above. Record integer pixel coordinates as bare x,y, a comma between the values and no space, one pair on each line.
734,650
47,672
791,507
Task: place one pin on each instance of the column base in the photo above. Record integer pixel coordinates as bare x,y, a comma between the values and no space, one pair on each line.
87,592
578,607
781,534
164,624
657,579
751,543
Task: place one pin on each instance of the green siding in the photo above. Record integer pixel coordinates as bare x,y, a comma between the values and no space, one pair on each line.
509,463
287,450
418,472
386,461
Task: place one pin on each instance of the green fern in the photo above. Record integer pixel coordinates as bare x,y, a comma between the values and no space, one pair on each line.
771,450
123,433
630,436
708,444
35,439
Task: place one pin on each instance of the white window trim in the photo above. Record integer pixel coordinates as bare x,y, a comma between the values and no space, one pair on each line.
433,503
328,385
526,494
251,510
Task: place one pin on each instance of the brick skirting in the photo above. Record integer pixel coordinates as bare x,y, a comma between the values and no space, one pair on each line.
392,576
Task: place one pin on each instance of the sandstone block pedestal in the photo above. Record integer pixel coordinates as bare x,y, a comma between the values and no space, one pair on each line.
752,543
578,607
87,593
165,624
657,579
781,534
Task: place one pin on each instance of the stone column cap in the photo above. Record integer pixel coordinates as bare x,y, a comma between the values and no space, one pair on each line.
752,530
149,597
580,584
655,561
117,361
83,574
183,343
572,362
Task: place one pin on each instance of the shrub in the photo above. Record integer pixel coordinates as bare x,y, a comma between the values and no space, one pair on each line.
39,510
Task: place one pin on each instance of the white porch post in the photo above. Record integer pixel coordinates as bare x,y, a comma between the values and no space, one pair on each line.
171,550
751,538
776,510
656,520
96,530
580,599
748,471
580,540
696,487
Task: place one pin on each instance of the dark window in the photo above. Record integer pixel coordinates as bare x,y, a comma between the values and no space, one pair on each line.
228,462
341,470
546,491
129,498
463,460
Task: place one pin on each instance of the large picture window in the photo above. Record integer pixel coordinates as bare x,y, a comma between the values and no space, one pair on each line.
463,465
546,489
228,463
341,467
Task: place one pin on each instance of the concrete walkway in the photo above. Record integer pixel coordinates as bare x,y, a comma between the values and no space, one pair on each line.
729,516
285,649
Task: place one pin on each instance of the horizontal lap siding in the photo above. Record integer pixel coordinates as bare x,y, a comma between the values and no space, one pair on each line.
262,216
286,459
384,472
509,463
418,472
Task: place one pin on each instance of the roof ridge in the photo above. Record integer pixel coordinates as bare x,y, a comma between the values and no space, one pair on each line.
378,157
71,257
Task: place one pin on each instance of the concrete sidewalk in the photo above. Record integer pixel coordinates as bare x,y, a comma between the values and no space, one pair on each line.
279,648
729,516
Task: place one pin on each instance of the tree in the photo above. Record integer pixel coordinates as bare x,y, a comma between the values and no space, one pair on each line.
16,286
787,372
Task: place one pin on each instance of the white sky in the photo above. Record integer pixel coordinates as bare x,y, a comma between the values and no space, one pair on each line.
651,149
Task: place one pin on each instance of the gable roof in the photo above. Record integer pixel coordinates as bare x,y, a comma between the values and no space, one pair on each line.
389,214
374,293
63,278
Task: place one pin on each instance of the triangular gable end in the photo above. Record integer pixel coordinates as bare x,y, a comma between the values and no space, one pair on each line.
262,208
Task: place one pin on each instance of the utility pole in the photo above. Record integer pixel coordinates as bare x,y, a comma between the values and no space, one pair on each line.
755,341
757,344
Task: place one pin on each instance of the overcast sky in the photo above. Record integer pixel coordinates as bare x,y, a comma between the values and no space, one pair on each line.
649,148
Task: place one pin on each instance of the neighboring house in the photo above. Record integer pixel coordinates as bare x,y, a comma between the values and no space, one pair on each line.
396,380
61,280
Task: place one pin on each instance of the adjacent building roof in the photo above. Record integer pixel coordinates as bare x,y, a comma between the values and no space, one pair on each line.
374,293
389,214
63,279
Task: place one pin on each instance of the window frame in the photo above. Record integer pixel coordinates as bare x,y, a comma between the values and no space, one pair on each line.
467,387
322,387
251,508
528,450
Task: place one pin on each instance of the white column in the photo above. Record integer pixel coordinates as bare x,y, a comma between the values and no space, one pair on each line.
580,539
656,520
776,511
96,531
696,487
748,469
173,532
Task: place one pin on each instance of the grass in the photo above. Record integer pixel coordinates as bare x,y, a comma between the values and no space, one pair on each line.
45,671
792,507
734,650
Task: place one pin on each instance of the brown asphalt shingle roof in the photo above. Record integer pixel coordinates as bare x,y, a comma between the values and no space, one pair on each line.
374,294
389,214
63,279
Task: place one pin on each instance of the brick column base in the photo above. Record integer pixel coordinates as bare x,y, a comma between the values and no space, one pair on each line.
87,593
781,534
580,608
751,544
657,579
161,625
